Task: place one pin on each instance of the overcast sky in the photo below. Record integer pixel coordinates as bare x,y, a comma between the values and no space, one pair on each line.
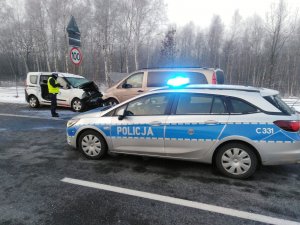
201,11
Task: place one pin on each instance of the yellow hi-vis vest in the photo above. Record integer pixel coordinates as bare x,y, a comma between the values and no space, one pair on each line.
51,89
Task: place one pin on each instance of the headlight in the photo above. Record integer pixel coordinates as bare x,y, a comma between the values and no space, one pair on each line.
85,94
72,122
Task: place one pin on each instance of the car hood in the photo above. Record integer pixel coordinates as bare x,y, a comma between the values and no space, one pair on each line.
94,113
89,86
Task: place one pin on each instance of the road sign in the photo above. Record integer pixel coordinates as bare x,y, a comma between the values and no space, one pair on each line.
73,33
75,56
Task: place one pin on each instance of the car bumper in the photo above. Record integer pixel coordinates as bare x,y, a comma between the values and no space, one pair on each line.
26,96
71,141
280,153
93,101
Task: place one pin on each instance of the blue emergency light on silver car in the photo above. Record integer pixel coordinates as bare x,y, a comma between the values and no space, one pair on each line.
178,81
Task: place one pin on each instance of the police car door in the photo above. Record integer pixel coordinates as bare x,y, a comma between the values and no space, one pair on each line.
138,127
196,122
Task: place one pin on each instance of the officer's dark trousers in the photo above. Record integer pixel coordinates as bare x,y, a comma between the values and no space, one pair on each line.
53,104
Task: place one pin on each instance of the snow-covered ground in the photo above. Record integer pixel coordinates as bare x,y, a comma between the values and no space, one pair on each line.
9,95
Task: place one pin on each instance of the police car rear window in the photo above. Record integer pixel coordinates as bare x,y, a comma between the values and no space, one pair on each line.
276,101
239,106
160,78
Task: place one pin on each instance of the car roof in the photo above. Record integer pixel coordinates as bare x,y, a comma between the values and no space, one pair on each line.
59,74
220,88
179,69
70,75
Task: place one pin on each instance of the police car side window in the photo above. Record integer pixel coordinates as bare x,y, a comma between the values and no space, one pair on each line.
218,106
194,104
189,104
149,105
239,106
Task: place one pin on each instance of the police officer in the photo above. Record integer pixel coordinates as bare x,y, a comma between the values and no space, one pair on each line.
53,88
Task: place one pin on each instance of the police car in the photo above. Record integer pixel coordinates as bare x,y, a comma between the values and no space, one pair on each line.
236,128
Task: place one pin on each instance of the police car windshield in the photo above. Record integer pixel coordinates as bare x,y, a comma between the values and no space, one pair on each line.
75,81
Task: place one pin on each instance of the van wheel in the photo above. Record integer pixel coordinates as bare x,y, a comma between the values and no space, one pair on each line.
236,160
112,101
92,144
33,101
77,105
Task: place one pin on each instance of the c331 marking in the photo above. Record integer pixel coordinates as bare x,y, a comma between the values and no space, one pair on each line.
264,130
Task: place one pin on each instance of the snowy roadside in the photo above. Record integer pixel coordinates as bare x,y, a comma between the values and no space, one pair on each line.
9,95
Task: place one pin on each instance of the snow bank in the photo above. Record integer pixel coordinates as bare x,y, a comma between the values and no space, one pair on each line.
9,95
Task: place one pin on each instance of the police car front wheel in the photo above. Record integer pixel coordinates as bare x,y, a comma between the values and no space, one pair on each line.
236,160
92,145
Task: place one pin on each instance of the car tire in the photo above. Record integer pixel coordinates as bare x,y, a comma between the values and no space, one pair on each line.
77,105
92,145
33,101
111,101
236,160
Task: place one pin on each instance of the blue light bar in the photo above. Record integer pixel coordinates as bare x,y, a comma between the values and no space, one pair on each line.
178,81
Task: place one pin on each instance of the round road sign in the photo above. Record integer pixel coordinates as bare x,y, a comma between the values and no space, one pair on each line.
75,56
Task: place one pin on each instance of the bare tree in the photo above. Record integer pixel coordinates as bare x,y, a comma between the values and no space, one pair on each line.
279,29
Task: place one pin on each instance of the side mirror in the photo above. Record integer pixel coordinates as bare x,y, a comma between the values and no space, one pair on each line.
68,86
121,114
121,117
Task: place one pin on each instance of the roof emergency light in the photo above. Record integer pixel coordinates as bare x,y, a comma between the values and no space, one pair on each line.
178,81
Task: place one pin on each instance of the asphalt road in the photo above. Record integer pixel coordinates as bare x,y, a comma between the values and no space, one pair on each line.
34,158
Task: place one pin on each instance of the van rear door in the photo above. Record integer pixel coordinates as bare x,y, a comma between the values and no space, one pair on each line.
32,86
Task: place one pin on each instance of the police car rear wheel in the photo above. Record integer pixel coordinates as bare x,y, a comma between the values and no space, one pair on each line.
236,160
77,105
92,145
33,101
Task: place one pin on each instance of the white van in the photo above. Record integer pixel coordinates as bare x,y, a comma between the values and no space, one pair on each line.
77,92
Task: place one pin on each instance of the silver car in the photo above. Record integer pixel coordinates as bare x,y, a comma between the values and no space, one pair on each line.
236,128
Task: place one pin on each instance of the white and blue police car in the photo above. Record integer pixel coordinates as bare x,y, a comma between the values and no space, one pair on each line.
236,128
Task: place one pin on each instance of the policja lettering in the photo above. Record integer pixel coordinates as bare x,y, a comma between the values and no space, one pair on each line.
132,131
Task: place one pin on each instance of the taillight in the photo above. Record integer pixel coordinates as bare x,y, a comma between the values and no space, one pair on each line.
214,79
288,125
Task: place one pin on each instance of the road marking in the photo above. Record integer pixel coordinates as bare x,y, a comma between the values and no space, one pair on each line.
32,117
183,202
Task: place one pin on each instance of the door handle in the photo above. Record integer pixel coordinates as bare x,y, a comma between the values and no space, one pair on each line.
155,123
140,91
211,122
